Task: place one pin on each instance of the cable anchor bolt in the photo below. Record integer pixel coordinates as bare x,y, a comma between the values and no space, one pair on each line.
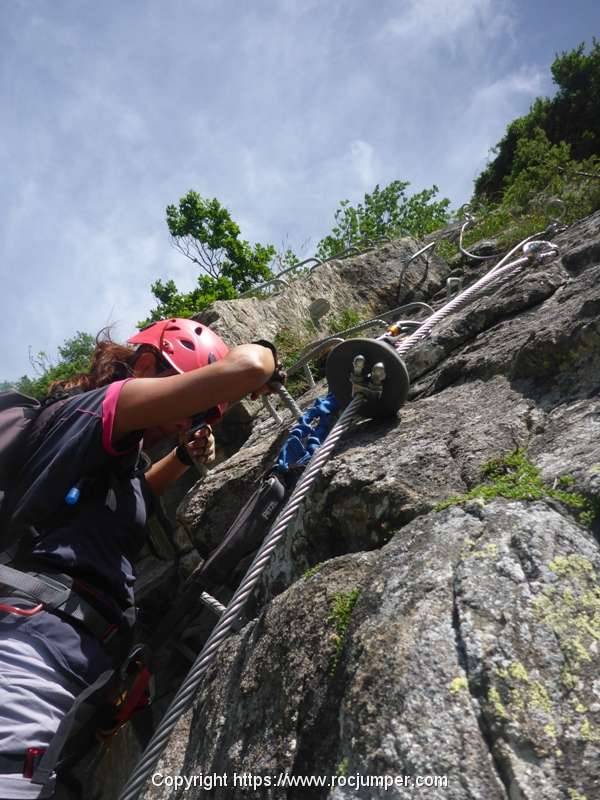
372,369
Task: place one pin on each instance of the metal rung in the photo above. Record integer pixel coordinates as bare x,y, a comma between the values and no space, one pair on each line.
212,603
309,377
271,409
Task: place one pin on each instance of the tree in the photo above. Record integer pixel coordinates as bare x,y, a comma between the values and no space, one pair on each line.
75,356
537,167
205,233
384,212
571,116
172,303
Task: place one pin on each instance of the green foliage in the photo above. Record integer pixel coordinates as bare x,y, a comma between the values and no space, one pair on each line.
285,260
342,767
204,232
172,303
513,476
313,570
384,212
343,605
572,117
348,318
542,175
75,356
536,168
290,343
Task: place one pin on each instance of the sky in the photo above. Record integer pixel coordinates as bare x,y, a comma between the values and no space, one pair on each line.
279,108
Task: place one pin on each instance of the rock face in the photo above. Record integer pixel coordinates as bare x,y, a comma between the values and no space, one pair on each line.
454,646
371,283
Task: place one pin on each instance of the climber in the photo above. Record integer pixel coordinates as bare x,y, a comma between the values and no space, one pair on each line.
76,515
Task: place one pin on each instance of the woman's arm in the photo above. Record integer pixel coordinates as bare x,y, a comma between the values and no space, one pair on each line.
169,468
150,402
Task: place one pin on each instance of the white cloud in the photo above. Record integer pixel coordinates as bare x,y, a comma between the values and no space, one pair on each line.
424,22
278,110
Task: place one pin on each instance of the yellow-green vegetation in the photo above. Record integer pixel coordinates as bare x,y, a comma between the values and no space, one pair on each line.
347,318
589,733
571,609
342,768
532,205
343,605
516,695
289,343
524,693
495,701
313,570
575,795
470,550
550,730
571,566
459,684
515,477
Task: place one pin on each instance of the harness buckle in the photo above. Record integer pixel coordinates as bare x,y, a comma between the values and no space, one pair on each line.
33,756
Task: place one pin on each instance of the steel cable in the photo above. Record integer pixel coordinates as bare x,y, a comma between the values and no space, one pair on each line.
186,692
540,251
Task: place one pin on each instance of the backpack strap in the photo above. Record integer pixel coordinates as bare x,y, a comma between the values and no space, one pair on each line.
55,593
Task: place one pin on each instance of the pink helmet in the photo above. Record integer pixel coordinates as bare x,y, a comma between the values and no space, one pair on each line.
186,345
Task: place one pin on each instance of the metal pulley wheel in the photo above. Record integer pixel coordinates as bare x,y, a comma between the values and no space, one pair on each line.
340,368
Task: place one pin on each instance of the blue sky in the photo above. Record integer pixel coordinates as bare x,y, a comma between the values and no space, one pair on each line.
109,111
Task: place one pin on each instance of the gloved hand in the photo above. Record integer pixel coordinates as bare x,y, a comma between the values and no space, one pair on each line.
199,450
279,374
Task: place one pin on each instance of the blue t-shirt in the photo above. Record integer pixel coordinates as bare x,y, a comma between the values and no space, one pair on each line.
96,539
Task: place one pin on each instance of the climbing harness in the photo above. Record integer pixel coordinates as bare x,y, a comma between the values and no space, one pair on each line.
370,370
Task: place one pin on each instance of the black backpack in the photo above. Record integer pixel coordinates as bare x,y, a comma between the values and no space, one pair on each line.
23,422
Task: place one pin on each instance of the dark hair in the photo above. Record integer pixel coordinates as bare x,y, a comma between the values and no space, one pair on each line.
110,362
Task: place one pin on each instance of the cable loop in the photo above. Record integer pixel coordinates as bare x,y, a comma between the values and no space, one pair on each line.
540,250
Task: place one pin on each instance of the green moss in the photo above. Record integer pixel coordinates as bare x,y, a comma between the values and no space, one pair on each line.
513,476
343,605
342,767
459,684
566,480
313,570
